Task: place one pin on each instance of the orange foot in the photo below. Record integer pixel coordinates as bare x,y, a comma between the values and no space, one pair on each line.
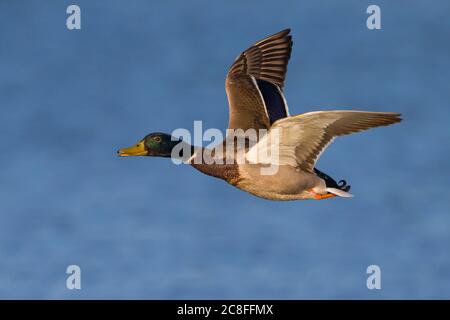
318,196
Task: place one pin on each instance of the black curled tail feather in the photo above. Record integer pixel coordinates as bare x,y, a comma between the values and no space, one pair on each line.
331,183
344,186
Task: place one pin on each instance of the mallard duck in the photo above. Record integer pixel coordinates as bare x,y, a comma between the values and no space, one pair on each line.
254,86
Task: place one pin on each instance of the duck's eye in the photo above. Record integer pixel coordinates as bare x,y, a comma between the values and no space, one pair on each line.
158,139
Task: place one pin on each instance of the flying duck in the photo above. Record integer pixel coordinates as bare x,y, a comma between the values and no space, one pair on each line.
254,86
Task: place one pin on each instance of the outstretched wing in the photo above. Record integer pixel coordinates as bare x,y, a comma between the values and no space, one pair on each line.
301,139
254,83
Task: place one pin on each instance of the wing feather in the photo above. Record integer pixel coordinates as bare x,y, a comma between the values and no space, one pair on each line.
264,62
303,138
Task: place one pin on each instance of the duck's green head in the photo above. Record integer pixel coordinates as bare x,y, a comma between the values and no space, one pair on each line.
155,144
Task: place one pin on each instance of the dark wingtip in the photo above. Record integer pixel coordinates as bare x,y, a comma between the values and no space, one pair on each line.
395,117
282,33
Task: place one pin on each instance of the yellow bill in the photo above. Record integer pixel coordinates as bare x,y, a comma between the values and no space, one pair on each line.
136,150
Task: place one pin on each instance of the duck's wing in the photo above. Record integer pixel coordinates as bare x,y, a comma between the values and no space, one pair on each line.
301,139
255,81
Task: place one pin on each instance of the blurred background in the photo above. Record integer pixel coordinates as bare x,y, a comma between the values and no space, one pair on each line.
145,228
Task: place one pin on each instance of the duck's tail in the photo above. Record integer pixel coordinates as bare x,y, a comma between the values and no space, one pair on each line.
339,192
340,189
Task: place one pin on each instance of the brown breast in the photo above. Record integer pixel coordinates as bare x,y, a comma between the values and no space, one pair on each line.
227,172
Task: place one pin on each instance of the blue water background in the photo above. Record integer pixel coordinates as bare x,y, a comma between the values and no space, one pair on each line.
144,228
